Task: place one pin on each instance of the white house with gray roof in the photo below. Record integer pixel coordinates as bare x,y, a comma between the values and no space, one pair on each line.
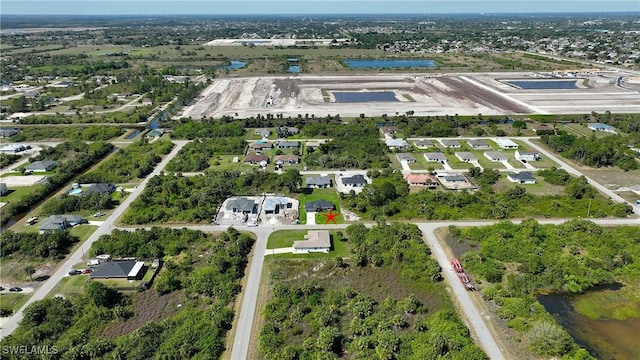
495,156
406,157
435,157
314,241
318,182
450,144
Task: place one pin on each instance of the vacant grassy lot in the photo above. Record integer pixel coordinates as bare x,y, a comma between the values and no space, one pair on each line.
13,301
17,193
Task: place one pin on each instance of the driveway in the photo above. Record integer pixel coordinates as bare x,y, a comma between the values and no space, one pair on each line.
311,217
507,165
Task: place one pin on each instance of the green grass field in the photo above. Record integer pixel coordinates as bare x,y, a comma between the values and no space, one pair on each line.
285,239
13,301
17,193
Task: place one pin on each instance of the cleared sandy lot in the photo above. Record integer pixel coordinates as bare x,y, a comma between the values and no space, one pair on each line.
463,94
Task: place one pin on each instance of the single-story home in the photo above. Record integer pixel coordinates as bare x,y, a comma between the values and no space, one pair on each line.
261,145
100,188
451,144
478,144
314,241
466,156
3,189
421,180
241,205
523,177
527,155
288,144
41,166
313,145
8,132
286,159
399,144
406,157
454,178
354,181
602,127
127,269
319,205
318,182
273,204
60,222
388,130
541,128
256,159
507,144
14,148
285,131
435,156
495,156
264,132
423,144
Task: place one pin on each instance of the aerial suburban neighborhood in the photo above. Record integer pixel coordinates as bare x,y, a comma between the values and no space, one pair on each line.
437,183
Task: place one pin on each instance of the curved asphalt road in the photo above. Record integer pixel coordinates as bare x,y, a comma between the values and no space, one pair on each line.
105,228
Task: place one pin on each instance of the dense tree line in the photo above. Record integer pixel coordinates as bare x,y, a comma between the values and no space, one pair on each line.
71,203
304,320
197,198
73,325
139,114
8,159
86,133
572,257
198,154
135,161
378,200
78,157
50,244
596,152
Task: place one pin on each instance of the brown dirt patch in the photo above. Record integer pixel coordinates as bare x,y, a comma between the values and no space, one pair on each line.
480,96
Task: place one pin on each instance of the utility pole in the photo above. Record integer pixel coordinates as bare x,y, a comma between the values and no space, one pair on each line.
589,208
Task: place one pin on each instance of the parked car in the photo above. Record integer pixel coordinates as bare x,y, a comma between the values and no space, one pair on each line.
87,271
75,272
1,288
98,214
15,289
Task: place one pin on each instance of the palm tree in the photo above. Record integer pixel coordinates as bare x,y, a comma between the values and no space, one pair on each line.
29,270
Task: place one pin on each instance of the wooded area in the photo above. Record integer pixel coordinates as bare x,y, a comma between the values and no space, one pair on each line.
596,152
199,154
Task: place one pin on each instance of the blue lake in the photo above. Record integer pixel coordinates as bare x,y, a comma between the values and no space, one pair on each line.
234,65
389,63
353,97
294,69
543,84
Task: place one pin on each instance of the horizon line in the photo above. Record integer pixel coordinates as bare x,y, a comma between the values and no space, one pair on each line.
347,13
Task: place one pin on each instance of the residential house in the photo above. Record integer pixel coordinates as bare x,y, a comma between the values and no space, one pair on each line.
435,157
319,205
354,181
100,188
427,180
264,132
286,159
523,177
118,269
14,148
506,144
241,205
451,144
318,182
466,156
406,157
454,178
261,145
397,144
288,144
41,166
542,128
388,130
314,241
60,222
285,131
273,204
256,159
478,144
313,145
3,189
495,156
147,102
523,155
602,127
423,144
8,132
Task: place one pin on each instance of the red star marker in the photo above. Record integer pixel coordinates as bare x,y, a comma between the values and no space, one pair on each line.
330,217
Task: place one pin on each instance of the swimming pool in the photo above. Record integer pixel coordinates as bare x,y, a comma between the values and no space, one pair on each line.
75,191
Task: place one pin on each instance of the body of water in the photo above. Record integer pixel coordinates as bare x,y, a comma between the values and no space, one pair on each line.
389,63
605,339
373,96
234,65
543,84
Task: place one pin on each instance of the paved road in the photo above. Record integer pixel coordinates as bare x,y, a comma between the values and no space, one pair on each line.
77,256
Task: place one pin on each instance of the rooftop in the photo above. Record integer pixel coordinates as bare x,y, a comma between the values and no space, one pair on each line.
314,239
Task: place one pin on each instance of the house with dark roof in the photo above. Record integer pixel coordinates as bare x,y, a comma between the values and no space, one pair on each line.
523,177
264,132
127,269
453,178
478,144
354,181
41,166
3,189
314,241
256,159
100,188
8,132
318,182
283,144
60,222
495,156
388,130
284,131
286,159
261,145
319,205
423,144
241,205
406,157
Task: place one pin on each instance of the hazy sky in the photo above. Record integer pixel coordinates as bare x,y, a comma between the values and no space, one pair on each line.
107,7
